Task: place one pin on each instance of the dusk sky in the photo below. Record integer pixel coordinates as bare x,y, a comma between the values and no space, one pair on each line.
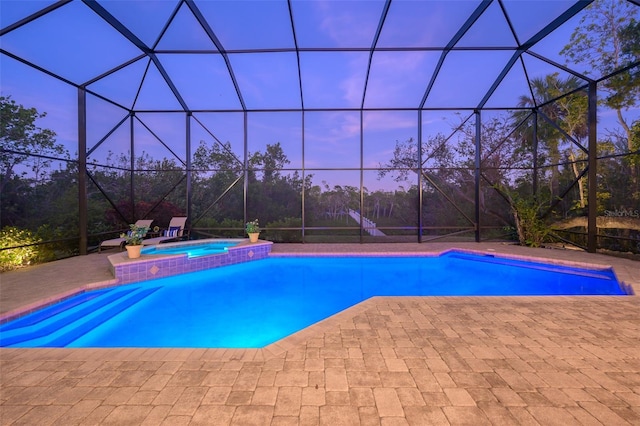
75,44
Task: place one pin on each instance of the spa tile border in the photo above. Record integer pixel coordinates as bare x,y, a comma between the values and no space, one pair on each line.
149,267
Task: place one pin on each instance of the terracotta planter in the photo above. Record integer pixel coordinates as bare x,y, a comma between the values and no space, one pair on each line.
253,237
134,251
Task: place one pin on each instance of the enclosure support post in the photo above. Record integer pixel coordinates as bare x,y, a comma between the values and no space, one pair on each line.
477,176
82,171
246,171
420,181
534,178
362,212
592,206
132,166
189,171
304,179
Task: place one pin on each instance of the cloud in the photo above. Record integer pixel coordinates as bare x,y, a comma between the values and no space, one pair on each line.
349,24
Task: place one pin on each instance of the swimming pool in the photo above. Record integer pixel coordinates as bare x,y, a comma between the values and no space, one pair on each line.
254,304
192,248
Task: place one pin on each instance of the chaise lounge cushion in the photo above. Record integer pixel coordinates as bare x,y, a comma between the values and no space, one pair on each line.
120,242
173,231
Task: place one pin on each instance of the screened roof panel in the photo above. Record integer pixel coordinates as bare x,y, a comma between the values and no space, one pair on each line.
249,24
74,50
531,16
550,46
155,94
202,79
424,23
467,75
80,41
14,10
268,80
539,70
511,88
185,33
144,18
490,30
331,24
333,80
399,79
120,86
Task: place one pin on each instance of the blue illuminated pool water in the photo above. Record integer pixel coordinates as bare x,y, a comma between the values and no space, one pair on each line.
192,250
254,304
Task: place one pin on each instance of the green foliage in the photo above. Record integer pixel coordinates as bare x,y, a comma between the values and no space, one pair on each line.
25,161
634,144
532,231
252,227
17,257
284,235
14,258
228,228
135,235
21,138
605,40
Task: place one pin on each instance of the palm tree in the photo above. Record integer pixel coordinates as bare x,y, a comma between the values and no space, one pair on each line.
555,111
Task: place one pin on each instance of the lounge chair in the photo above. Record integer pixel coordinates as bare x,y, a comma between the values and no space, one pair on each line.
120,242
175,232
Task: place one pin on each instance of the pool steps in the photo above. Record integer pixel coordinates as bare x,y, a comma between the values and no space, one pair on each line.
606,274
50,311
56,327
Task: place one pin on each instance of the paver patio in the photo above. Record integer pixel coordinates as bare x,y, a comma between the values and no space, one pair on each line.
386,361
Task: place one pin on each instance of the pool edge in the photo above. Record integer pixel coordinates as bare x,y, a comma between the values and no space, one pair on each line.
630,287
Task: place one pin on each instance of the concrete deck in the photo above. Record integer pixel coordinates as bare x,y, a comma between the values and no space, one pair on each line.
387,361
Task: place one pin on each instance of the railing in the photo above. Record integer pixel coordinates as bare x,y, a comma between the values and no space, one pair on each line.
369,226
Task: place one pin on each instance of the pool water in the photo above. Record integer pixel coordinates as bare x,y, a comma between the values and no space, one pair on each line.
191,250
254,304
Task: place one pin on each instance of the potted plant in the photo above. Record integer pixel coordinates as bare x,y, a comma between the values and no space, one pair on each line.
133,240
253,230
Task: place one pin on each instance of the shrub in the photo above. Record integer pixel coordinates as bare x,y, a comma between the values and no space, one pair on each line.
532,231
284,235
26,249
16,257
227,228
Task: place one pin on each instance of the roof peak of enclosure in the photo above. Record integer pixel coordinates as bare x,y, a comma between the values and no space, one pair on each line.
194,55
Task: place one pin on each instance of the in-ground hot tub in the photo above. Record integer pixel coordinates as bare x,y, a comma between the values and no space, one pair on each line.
195,248
170,259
